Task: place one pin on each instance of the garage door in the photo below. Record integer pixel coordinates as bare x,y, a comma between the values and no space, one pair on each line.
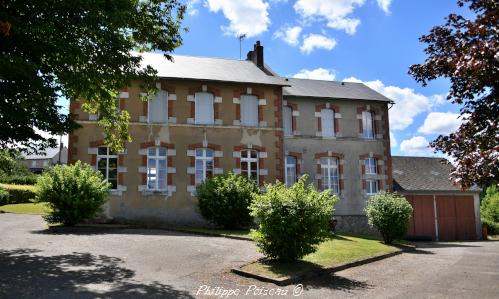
422,225
455,217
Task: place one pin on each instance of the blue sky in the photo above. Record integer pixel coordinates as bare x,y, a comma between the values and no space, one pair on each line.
373,41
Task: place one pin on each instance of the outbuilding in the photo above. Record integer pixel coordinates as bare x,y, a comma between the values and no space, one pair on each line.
441,210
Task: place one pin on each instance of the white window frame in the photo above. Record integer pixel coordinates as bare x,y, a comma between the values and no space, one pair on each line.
245,121
325,125
249,160
330,174
371,166
161,94
368,124
291,168
372,187
205,159
197,111
107,156
157,158
287,123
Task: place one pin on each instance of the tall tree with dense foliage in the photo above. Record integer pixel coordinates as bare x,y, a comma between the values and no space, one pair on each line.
466,51
78,50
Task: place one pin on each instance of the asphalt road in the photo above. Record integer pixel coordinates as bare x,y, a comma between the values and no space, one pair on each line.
130,263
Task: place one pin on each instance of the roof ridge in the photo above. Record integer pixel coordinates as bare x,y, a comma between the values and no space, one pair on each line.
197,56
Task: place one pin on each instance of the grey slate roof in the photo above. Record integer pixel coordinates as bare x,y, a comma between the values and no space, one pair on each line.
331,89
48,154
422,174
211,69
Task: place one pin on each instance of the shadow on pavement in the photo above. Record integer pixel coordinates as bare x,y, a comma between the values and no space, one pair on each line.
443,245
334,281
24,273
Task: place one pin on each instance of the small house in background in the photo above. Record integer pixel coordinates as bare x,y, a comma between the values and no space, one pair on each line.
38,162
442,211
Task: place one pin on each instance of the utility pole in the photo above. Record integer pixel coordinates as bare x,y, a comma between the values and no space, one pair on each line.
241,37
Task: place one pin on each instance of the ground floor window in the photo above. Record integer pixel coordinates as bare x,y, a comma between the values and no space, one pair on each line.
330,175
371,187
249,164
204,164
290,170
156,168
107,164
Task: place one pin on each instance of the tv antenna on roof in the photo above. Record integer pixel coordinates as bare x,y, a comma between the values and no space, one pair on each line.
241,37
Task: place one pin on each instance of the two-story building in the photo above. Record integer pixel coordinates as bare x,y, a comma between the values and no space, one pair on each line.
215,115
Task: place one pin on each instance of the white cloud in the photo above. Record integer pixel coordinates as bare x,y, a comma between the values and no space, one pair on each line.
393,141
317,74
384,5
290,35
440,123
417,145
245,17
408,103
317,41
335,12
191,7
45,134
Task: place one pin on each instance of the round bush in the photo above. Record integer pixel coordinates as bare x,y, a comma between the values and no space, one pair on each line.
74,193
4,197
224,200
390,213
489,209
292,221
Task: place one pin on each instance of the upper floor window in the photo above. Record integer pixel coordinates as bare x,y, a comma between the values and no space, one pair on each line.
290,170
204,164
327,122
156,168
330,174
249,164
372,187
287,120
158,108
371,166
107,164
249,110
368,124
204,104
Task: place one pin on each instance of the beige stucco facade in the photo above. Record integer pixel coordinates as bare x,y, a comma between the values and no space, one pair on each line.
180,136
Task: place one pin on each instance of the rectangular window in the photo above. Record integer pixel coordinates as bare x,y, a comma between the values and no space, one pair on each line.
107,164
327,122
249,164
330,175
290,171
249,110
204,164
367,125
371,166
158,108
371,187
156,168
204,102
288,120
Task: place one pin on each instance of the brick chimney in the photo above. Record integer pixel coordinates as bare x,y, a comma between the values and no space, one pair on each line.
256,55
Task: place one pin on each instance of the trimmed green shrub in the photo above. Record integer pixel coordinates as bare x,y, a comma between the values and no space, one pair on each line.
18,194
4,197
390,213
291,221
74,193
28,178
13,170
224,200
489,209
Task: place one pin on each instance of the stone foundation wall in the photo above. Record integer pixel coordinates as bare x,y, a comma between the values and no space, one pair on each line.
354,224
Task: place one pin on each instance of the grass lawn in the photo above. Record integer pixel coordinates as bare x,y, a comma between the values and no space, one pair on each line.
339,249
18,187
26,208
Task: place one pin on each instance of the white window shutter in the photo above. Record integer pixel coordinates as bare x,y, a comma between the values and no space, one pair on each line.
249,110
158,108
327,122
204,108
288,121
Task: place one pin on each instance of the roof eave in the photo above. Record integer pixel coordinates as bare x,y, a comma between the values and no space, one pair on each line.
222,81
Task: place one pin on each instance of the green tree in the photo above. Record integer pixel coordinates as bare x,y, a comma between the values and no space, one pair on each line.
489,209
466,51
52,49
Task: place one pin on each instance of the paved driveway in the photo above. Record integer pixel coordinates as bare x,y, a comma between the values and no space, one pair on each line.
152,263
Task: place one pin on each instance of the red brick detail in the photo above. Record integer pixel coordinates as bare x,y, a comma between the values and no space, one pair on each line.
121,158
374,111
294,119
169,159
338,156
153,144
215,147
279,134
254,92
379,168
120,178
73,105
72,151
298,157
171,106
192,160
145,108
165,86
388,154
261,161
216,93
336,109
96,143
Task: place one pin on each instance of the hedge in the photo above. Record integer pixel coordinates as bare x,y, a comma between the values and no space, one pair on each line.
17,194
